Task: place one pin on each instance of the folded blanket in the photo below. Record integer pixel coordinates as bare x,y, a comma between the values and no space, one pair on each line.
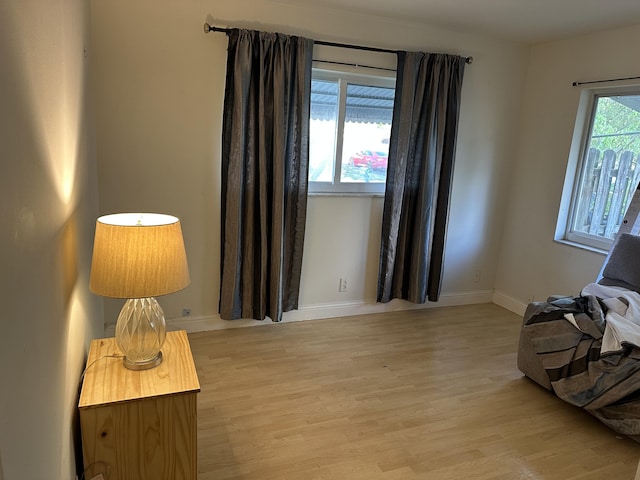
622,317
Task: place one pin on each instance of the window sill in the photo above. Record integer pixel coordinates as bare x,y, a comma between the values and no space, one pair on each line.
581,246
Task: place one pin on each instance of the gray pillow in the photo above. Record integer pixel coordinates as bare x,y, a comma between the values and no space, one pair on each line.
623,267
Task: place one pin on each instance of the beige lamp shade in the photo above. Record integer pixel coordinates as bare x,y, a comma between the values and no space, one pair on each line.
137,255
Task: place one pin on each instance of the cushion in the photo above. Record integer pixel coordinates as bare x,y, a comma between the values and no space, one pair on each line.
623,267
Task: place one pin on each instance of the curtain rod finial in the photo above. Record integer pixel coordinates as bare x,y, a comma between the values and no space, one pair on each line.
469,60
207,28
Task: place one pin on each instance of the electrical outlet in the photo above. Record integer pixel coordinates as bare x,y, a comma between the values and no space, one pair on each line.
344,285
476,276
186,312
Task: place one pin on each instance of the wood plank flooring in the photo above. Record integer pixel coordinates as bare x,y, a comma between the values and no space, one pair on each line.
429,394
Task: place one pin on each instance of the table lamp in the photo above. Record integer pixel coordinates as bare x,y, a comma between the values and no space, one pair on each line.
139,256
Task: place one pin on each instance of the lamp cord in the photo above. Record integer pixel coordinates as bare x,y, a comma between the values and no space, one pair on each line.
96,360
103,468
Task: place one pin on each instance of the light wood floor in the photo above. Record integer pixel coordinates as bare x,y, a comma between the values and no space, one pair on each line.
430,394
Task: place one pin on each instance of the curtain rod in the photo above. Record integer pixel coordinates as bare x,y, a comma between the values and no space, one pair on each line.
209,28
577,84
356,65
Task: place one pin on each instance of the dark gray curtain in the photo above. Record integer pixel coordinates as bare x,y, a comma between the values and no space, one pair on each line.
265,154
420,169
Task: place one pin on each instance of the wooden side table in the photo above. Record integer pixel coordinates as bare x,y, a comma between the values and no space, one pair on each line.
140,425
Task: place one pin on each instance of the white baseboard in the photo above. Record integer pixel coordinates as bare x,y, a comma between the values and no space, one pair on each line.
510,303
316,312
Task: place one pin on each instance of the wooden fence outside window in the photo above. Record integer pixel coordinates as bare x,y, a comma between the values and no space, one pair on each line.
607,186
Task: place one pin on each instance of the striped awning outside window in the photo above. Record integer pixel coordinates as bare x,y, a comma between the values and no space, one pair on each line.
364,104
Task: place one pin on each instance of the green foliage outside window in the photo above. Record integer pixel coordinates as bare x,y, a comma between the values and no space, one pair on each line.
616,125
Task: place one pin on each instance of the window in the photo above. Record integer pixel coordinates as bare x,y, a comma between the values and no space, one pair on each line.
349,132
608,167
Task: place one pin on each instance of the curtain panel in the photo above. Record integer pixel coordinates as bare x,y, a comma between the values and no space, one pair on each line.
420,169
265,151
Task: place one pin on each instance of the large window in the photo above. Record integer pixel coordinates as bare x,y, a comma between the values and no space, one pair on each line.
608,168
349,133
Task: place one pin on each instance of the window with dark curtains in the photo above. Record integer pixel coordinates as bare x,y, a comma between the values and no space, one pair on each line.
419,175
265,154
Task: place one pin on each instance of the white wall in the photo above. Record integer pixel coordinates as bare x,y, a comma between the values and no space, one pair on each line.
532,265
47,210
159,85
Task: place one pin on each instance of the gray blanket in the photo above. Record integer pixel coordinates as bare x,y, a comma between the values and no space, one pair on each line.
608,386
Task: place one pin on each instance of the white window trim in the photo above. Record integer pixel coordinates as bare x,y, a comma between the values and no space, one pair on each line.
575,165
337,187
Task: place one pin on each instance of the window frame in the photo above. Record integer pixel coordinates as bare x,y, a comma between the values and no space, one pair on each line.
344,78
583,129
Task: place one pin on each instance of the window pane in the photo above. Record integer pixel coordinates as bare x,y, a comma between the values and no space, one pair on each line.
322,130
610,166
367,128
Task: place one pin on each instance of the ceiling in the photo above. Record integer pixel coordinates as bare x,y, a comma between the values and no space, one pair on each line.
528,21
